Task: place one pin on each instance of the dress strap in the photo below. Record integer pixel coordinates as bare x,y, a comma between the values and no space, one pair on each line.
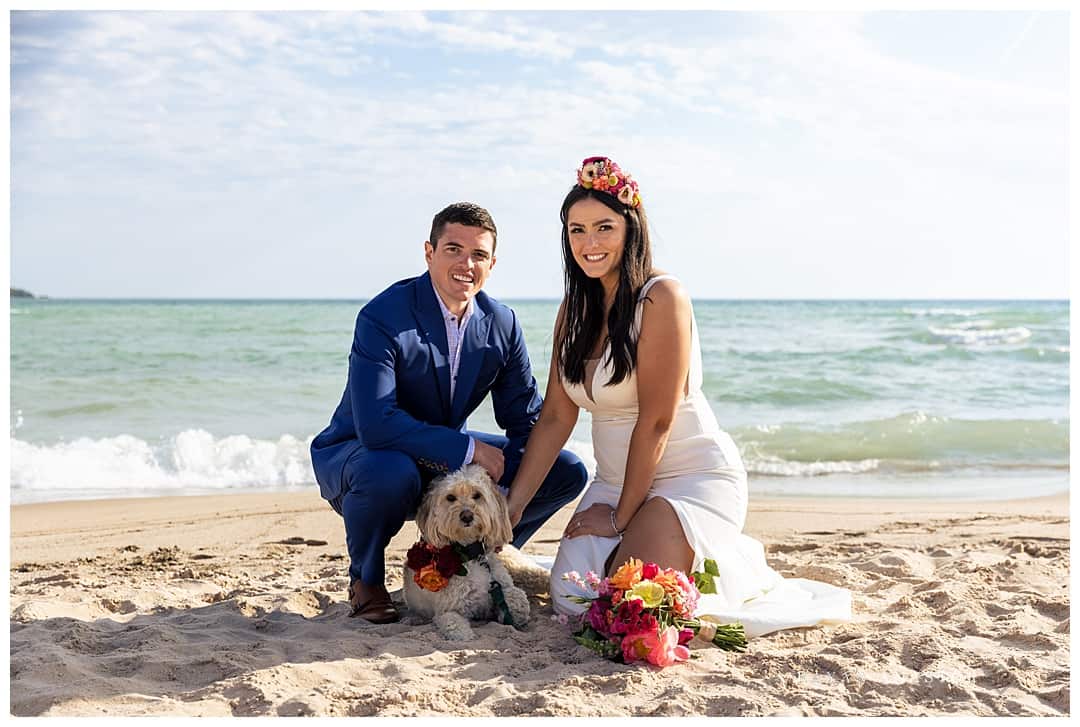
641,297
649,284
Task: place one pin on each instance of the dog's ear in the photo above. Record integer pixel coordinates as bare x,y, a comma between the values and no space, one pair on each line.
501,531
425,520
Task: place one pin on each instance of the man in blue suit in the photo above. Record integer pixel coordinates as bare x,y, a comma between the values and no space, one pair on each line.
425,353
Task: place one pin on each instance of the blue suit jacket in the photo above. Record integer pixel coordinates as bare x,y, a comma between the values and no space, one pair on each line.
398,392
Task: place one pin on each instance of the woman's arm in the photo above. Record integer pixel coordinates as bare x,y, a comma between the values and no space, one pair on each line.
663,363
558,416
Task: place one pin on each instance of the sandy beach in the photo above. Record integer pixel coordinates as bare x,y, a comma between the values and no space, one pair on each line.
235,605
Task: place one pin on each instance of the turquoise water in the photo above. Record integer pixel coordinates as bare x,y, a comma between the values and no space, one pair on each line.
877,398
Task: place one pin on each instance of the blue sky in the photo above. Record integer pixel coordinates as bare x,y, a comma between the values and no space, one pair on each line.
302,155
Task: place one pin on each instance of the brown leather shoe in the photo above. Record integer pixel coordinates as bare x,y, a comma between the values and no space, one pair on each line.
372,603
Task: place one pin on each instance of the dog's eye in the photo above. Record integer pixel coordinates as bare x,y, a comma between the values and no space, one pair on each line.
450,498
476,496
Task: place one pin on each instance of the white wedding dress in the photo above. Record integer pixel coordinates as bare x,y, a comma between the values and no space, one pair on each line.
702,476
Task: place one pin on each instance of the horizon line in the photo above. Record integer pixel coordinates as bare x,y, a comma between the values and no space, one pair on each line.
538,299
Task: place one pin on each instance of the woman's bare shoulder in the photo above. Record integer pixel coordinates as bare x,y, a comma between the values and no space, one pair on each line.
667,293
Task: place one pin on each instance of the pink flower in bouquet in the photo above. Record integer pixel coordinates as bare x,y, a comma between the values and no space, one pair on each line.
636,647
686,636
649,571
664,648
689,595
598,615
684,594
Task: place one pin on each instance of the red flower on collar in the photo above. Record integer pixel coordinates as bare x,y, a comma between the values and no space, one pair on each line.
432,567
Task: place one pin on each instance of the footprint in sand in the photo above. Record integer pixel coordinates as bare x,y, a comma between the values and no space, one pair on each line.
118,606
899,564
305,603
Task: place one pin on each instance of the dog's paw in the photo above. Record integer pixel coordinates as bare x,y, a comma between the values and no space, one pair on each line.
453,626
518,603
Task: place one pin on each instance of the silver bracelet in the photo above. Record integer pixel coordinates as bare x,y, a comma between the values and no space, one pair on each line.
616,527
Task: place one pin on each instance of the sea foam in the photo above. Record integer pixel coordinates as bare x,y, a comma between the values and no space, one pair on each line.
980,335
922,312
191,460
776,467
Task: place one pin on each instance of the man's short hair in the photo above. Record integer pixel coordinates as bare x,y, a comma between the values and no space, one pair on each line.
463,213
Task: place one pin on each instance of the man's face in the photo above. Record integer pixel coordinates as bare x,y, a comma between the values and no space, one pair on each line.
460,263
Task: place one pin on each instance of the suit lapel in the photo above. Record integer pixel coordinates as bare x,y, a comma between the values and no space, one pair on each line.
472,355
433,330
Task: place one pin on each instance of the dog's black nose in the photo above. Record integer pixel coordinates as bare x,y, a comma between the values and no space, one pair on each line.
466,517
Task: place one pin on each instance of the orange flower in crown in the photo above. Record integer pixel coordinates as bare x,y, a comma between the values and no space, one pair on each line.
604,175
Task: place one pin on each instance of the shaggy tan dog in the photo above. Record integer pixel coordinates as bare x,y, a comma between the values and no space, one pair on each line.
465,508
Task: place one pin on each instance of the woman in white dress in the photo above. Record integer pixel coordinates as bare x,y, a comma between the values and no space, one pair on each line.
670,486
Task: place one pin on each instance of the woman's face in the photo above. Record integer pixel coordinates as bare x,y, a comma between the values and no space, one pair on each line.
597,238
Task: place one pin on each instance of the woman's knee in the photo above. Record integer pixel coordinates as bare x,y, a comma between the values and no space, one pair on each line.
656,511
655,534
655,521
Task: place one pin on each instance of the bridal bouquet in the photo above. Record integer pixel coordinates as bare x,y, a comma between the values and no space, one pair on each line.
643,612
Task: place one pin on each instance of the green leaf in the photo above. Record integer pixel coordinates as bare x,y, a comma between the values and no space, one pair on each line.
704,580
592,640
704,583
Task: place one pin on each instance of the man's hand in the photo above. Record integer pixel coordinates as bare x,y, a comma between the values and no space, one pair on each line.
490,458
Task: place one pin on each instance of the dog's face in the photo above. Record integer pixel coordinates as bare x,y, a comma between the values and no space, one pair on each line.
464,507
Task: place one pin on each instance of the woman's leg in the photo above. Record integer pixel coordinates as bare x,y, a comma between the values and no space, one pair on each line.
654,535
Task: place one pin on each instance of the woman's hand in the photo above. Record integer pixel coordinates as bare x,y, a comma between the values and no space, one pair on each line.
594,520
515,512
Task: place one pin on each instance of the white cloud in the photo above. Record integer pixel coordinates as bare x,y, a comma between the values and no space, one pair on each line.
804,115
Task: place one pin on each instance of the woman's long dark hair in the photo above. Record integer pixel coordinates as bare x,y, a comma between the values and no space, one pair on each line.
583,321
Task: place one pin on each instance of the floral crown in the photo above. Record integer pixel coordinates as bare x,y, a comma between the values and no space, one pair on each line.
604,175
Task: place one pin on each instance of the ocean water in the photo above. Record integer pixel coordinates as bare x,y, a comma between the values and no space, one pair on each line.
873,398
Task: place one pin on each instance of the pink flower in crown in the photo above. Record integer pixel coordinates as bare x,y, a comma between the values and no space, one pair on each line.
592,169
663,648
604,175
